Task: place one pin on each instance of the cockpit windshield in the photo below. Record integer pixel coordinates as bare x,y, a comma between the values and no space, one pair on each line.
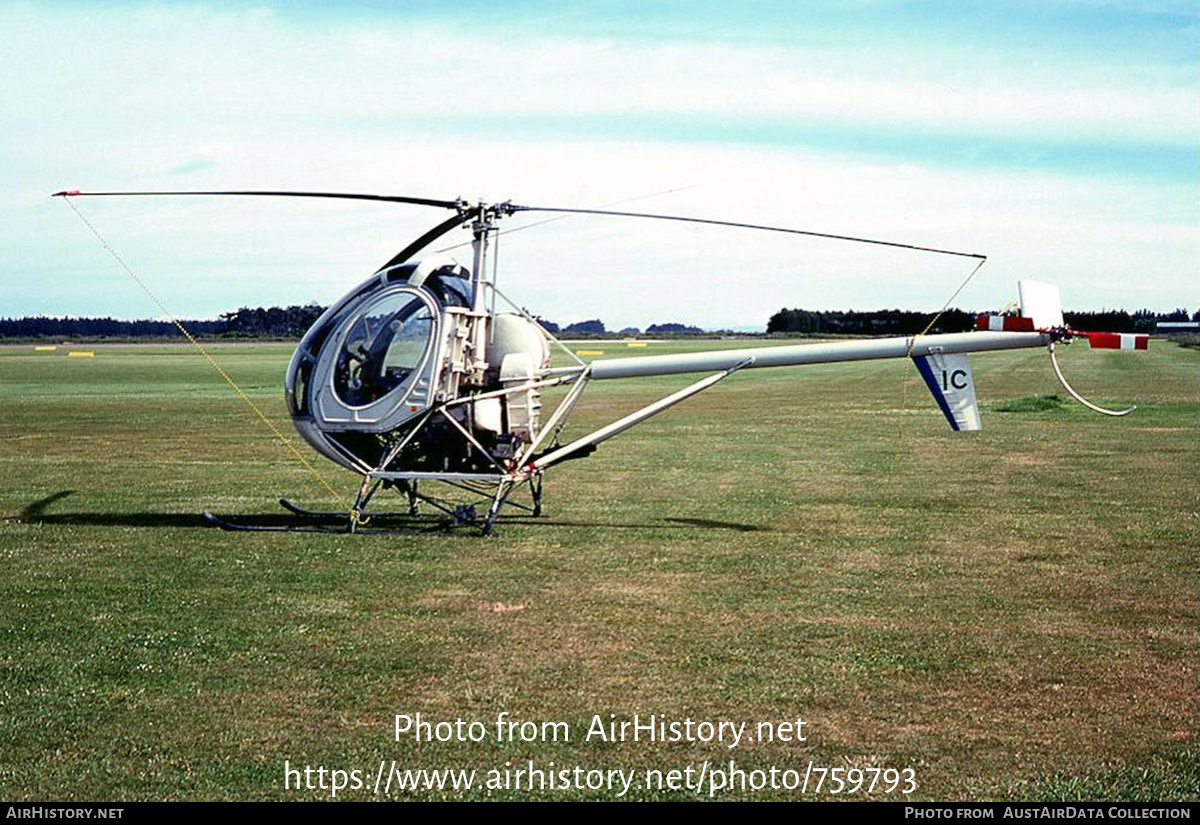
450,283
384,345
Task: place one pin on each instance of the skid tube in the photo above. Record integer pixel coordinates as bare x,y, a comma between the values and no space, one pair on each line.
449,518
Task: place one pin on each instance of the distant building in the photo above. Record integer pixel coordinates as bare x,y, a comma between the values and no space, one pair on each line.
1177,327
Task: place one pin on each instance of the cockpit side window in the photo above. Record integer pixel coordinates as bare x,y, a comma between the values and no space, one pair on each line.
452,286
383,346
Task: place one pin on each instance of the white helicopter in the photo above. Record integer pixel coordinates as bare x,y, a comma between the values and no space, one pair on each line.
414,376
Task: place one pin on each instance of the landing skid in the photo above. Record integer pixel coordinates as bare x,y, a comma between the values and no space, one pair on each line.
296,509
449,518
338,524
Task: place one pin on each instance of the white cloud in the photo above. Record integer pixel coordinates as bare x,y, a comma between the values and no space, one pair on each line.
180,68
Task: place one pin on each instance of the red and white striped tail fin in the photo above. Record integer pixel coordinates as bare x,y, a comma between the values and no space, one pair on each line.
1041,309
1004,323
1116,340
1041,313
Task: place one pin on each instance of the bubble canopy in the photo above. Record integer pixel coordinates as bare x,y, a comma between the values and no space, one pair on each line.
369,363
383,345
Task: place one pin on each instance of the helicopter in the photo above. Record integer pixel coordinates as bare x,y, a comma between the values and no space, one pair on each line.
426,373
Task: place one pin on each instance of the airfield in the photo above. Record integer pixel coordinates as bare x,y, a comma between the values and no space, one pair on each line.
1011,614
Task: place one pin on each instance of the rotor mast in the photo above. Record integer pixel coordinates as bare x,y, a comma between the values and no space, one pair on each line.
486,217
481,227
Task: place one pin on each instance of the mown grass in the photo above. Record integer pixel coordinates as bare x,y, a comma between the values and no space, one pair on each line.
1011,613
1032,403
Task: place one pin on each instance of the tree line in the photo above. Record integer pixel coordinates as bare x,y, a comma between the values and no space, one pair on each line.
291,322
904,322
275,322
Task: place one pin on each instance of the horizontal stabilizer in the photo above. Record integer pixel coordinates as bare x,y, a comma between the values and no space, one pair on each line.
949,379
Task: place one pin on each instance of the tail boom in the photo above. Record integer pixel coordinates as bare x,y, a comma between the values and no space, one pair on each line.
824,353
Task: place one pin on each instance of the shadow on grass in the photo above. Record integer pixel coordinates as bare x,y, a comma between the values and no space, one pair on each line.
35,513
720,525
665,523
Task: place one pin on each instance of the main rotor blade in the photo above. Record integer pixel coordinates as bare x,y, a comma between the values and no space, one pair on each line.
711,222
455,204
431,236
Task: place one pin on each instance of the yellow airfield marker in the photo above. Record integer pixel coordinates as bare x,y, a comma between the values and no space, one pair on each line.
80,354
44,349
636,344
589,352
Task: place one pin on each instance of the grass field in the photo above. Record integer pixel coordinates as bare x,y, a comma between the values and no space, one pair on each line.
1011,614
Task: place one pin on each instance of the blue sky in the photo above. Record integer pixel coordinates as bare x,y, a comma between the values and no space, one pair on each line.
1059,138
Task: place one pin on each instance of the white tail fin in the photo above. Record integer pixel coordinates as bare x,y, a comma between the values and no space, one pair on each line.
1040,302
949,379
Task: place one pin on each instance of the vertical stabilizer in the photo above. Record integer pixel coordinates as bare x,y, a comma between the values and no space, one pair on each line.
1041,303
949,379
